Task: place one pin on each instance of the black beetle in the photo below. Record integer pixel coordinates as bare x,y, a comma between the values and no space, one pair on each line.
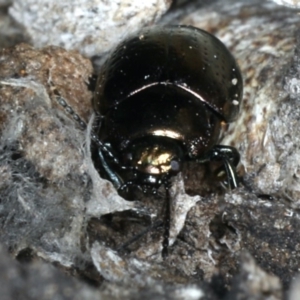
162,98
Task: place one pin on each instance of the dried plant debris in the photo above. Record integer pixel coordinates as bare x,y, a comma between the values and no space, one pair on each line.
243,244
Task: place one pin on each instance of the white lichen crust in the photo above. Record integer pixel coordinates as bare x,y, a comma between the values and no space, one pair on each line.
289,3
92,27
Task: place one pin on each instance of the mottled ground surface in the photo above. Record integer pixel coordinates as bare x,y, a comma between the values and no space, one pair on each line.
56,210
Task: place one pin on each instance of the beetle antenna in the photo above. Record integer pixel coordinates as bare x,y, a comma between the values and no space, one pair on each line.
61,101
104,148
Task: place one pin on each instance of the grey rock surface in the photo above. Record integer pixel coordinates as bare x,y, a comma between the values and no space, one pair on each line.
289,3
39,280
5,2
10,32
54,205
92,27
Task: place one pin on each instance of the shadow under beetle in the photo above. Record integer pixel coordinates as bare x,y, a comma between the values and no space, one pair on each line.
162,98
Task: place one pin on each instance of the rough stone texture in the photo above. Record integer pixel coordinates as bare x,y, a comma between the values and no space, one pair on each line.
45,178
10,32
266,133
5,2
92,26
253,283
51,73
289,3
39,281
54,205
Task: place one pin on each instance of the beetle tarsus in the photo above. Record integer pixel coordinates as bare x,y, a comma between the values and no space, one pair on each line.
113,176
230,158
138,236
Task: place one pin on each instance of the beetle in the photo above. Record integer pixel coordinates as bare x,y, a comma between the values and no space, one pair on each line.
162,99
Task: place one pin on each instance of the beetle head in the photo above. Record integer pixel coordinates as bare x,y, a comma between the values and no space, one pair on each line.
154,156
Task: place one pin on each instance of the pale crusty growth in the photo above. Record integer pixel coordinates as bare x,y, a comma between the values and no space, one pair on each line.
289,3
92,27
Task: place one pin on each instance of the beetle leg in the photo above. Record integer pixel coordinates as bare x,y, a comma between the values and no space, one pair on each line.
230,158
165,243
139,235
113,176
165,223
231,174
125,185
